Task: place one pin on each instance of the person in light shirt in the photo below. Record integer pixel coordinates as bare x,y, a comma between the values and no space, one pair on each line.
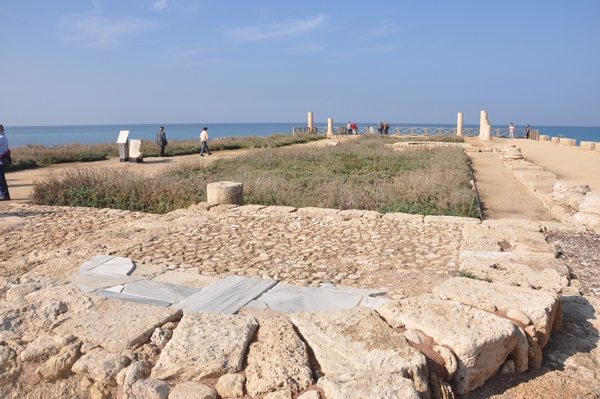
204,140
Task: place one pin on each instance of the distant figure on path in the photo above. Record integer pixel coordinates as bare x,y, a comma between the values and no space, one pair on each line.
161,141
511,128
527,131
354,128
386,127
379,127
4,161
349,127
204,140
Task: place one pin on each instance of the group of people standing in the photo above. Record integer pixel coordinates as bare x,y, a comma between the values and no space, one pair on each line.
383,127
511,131
161,141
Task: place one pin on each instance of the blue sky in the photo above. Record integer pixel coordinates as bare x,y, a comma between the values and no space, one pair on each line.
67,62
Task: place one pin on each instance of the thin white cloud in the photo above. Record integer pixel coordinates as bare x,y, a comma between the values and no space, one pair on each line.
159,5
91,29
278,29
304,48
370,50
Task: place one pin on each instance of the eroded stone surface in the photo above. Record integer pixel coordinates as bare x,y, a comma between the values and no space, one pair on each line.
278,359
481,341
205,345
346,342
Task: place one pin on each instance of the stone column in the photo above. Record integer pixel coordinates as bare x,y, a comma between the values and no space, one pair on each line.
330,132
311,124
485,129
459,124
225,192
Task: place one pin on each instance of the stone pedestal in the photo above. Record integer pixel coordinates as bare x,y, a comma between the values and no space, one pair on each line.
567,142
330,132
555,140
459,124
587,145
225,192
311,124
544,138
485,129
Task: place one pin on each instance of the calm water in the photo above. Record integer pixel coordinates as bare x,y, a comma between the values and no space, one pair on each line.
93,134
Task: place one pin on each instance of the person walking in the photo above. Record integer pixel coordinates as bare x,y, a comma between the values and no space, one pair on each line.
4,161
161,141
204,140
527,131
511,129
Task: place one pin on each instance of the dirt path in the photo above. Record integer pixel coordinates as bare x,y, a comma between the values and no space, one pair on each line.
501,195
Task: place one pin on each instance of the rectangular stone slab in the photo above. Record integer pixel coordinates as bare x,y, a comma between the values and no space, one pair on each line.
292,299
205,345
480,340
118,325
227,296
131,298
95,262
92,280
159,291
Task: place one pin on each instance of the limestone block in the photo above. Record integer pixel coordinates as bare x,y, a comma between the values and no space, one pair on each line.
481,341
205,345
449,359
589,220
521,304
231,385
278,359
151,389
568,142
569,186
544,138
505,238
368,385
103,325
60,364
587,145
43,347
310,395
356,341
284,394
538,271
540,185
225,192
101,366
534,175
591,203
192,390
555,140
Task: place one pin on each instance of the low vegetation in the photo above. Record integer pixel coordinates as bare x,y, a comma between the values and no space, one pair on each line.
34,155
357,174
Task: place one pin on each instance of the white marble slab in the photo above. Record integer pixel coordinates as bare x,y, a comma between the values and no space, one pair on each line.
116,265
227,296
351,290
160,291
95,262
94,280
131,298
293,299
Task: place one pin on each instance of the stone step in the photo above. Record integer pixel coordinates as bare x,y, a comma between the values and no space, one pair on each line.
227,296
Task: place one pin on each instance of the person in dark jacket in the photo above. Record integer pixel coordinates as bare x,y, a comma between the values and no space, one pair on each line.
4,157
161,141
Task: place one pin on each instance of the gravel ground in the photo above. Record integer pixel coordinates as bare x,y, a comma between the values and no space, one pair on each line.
581,252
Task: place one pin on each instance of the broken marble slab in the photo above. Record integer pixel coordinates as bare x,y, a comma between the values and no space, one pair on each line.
95,262
94,280
118,325
227,296
187,279
205,345
292,299
159,291
131,298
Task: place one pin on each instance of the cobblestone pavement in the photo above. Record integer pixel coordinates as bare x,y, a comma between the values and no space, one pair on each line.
401,254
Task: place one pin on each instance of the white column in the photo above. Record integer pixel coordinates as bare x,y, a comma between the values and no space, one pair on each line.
330,132
485,129
311,125
459,124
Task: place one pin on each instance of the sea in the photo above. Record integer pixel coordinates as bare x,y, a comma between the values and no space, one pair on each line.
20,136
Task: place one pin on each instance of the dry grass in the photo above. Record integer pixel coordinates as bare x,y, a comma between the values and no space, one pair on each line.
357,174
